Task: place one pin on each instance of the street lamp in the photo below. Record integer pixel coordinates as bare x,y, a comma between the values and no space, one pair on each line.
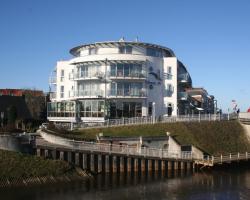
153,113
215,106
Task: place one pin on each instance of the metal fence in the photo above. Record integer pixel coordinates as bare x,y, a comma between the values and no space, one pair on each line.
152,120
146,152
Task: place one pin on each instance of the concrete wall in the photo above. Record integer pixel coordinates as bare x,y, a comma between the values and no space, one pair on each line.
10,143
247,130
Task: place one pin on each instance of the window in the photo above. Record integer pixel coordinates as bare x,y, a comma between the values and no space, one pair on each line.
91,108
169,73
62,91
84,71
169,87
62,75
170,90
93,51
127,89
150,108
119,69
154,52
127,70
125,49
113,70
169,70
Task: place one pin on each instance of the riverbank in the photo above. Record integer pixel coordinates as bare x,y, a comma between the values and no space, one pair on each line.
18,169
217,137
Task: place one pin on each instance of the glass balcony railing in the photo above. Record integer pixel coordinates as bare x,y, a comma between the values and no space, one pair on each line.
89,93
52,80
128,93
52,95
184,78
87,75
183,96
133,75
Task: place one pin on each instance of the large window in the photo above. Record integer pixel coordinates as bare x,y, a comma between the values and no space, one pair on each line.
61,109
93,51
89,89
88,71
127,89
169,73
91,108
125,109
62,75
127,70
154,52
62,92
125,49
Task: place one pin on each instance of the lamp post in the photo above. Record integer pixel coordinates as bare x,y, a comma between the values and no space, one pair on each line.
153,107
215,106
105,95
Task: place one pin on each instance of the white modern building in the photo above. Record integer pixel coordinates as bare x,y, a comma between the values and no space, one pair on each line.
118,79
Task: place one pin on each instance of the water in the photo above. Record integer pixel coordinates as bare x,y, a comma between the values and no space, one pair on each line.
216,185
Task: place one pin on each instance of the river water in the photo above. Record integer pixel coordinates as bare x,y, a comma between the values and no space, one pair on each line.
215,185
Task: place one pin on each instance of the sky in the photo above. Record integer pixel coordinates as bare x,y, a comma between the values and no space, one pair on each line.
211,38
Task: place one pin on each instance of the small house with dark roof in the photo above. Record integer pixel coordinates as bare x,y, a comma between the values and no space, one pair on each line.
160,142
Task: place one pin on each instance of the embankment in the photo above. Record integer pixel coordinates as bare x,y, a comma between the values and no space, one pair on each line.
217,137
18,169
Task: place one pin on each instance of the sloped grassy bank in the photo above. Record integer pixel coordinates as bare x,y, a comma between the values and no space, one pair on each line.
18,169
213,137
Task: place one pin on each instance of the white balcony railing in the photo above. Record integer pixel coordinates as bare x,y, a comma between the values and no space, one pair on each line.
52,95
132,75
128,93
87,75
52,80
89,93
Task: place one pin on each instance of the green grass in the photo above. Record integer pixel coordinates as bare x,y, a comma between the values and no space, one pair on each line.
213,137
16,165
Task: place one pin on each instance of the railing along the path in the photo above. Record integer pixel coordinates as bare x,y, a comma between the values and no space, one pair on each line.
152,120
230,158
146,152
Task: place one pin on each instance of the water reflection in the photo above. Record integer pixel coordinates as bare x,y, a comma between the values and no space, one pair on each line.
216,185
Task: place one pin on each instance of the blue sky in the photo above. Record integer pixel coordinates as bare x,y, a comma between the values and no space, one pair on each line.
212,38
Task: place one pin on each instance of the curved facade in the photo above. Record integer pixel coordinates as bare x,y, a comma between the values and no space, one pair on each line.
117,79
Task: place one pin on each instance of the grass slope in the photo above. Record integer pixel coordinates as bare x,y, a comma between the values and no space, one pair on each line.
16,165
213,137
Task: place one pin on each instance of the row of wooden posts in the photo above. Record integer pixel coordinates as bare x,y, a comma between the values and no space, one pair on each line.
110,163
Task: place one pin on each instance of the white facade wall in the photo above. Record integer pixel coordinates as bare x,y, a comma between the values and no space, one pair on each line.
171,62
155,84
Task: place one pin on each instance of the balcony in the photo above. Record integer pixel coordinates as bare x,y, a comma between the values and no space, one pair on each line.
89,93
52,95
128,93
52,80
87,75
183,96
184,78
133,75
